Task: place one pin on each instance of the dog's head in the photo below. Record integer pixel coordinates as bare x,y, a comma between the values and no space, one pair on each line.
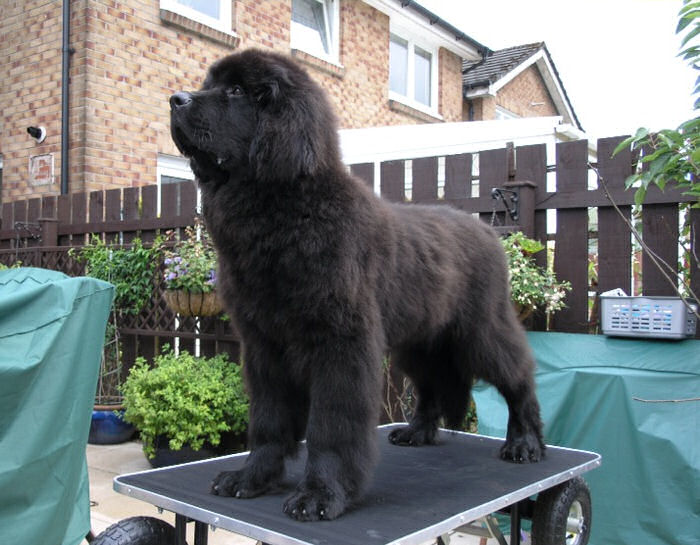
258,115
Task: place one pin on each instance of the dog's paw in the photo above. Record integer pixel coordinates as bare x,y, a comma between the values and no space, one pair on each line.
523,449
413,436
238,484
314,504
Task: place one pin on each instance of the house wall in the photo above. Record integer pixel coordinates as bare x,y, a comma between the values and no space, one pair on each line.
129,57
30,89
526,96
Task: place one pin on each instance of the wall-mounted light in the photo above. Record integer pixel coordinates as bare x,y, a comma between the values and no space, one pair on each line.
38,133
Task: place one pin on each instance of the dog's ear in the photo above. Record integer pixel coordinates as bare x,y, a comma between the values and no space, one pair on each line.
289,140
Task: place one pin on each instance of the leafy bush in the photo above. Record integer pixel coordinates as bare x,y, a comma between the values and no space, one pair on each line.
131,269
189,400
532,286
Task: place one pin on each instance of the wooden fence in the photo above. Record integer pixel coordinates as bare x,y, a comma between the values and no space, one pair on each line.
39,231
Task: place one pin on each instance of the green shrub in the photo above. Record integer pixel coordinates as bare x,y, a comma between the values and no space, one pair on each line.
189,400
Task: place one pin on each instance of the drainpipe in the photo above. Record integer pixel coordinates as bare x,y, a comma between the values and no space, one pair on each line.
65,74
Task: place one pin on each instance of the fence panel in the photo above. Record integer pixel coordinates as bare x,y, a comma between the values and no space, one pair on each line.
614,237
571,242
134,212
393,185
365,172
493,172
660,234
425,180
458,176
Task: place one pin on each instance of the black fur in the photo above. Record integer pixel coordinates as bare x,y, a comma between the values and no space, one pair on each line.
322,278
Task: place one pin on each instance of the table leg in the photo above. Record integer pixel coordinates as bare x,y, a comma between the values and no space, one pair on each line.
201,533
515,524
180,529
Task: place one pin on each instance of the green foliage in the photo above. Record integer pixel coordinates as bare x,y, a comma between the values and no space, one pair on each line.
130,268
672,156
15,265
189,400
532,286
191,263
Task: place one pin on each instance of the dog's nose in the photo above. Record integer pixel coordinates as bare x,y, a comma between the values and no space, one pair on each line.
179,99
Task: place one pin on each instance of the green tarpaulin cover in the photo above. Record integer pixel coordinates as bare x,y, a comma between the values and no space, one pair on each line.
51,336
635,403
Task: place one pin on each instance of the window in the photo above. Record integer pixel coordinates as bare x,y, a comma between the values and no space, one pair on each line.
169,170
412,74
314,28
398,65
213,13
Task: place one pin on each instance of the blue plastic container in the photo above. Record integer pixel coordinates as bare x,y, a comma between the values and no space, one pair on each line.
108,428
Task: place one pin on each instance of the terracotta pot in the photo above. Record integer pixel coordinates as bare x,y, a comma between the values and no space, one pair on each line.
189,303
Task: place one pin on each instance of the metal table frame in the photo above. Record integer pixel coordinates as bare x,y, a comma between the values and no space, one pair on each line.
155,487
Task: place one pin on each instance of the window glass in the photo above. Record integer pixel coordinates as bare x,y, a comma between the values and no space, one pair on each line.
398,65
310,26
422,76
207,7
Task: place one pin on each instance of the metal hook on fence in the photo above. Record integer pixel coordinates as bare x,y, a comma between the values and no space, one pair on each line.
509,198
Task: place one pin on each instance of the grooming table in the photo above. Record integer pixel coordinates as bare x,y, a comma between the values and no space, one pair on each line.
418,494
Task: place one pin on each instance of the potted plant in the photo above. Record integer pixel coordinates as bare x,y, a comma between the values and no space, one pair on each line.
190,274
532,287
131,269
185,404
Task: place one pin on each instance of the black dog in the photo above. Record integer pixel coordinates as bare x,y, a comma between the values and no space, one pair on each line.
322,278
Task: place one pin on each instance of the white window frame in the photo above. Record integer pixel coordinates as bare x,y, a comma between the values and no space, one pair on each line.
177,167
331,16
223,23
414,41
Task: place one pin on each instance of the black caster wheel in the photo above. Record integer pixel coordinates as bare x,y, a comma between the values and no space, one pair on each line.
562,514
137,531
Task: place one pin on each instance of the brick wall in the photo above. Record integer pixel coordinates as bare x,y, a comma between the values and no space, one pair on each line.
129,57
526,96
30,90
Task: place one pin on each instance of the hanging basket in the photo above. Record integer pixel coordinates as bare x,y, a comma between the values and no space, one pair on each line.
189,303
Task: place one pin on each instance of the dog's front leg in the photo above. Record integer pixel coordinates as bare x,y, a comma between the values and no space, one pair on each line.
277,420
341,436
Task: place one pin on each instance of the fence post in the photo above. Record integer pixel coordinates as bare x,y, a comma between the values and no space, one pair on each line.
526,205
49,231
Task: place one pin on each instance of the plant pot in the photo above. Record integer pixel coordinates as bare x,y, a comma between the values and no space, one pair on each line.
165,456
189,303
107,426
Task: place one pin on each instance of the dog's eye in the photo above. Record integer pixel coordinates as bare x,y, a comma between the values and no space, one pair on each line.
235,91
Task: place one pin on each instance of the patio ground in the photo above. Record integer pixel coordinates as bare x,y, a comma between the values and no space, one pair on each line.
107,461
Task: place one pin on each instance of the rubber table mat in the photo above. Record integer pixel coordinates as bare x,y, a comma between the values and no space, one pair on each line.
417,493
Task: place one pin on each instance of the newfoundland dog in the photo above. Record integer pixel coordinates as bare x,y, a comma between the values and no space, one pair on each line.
322,278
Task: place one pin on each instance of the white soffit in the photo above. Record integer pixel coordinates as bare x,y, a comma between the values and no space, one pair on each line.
415,24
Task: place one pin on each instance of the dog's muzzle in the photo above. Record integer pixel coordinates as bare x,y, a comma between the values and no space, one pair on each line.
180,99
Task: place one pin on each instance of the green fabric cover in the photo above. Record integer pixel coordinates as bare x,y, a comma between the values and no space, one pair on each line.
647,490
51,336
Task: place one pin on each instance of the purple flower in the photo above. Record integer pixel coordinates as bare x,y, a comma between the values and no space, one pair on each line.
168,261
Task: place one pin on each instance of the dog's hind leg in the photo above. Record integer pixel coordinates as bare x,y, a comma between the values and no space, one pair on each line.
505,360
442,383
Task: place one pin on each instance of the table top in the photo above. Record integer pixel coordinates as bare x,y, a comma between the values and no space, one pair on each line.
417,494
